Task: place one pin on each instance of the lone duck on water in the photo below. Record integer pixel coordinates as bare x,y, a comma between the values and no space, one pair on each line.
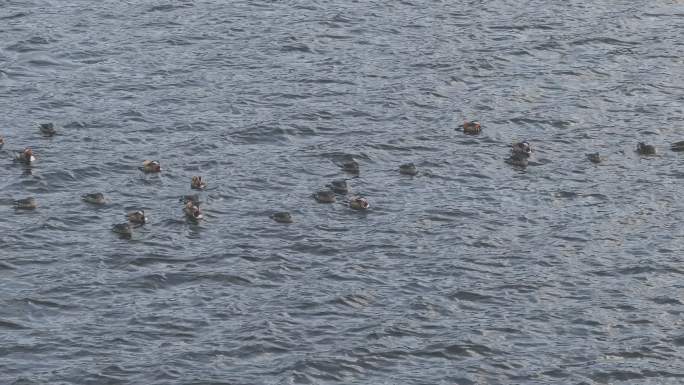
646,149
26,203
25,156
150,166
408,169
197,183
47,129
359,203
94,198
282,217
471,128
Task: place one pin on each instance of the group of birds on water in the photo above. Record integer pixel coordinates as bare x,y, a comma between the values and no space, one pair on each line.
519,157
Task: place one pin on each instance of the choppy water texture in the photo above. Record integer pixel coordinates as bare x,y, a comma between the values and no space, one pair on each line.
472,272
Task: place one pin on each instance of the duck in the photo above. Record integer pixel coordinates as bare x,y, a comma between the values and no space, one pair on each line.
282,217
645,149
324,196
137,217
150,166
523,148
25,156
595,158
123,229
47,129
359,203
94,198
518,159
2,141
339,186
193,212
197,183
408,169
351,166
676,146
471,128
26,203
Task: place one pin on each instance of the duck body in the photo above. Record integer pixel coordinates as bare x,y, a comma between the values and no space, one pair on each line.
408,169
358,203
518,160
94,198
472,128
26,203
282,217
192,212
325,196
150,166
351,166
137,217
676,146
26,156
47,129
521,148
124,229
197,183
339,186
646,149
595,158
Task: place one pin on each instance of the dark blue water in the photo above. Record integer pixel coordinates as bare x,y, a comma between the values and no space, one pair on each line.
472,272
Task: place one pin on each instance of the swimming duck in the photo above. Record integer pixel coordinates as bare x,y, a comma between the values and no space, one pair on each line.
282,217
522,148
677,146
25,156
358,203
339,186
595,158
351,166
151,166
324,196
518,159
471,128
193,212
137,217
197,183
123,229
47,129
408,169
26,203
646,149
94,198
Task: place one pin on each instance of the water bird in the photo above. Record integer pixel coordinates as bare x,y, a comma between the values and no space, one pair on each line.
193,212
523,148
645,149
676,146
150,166
124,229
324,196
351,166
197,183
359,203
339,186
137,217
47,129
408,169
25,156
471,128
194,198
94,198
2,141
26,203
595,158
282,217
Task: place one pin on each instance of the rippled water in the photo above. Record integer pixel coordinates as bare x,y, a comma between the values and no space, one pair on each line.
472,272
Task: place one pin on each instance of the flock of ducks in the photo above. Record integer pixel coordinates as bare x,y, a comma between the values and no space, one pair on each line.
519,157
